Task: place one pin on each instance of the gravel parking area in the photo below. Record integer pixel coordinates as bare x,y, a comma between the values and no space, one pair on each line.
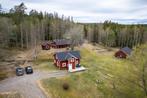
27,85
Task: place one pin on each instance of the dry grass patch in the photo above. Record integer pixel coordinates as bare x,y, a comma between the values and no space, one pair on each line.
11,95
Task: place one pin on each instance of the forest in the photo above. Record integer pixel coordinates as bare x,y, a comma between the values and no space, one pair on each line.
25,30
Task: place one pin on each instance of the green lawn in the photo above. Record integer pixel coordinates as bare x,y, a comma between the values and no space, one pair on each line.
45,62
106,77
3,75
45,65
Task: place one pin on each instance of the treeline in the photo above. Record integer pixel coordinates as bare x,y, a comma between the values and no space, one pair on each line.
19,29
26,30
116,35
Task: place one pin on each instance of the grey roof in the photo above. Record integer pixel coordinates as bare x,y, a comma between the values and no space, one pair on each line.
62,56
127,50
45,43
62,42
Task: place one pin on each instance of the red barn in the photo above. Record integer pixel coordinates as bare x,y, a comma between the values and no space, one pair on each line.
45,46
61,43
123,53
68,60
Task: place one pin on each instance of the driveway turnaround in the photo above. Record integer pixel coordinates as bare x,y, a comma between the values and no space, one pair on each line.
27,84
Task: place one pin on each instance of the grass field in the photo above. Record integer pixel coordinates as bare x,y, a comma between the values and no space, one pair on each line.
3,75
45,61
106,77
10,95
5,68
45,65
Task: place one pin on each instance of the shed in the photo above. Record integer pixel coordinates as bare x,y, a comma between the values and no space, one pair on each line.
68,59
45,45
123,52
61,43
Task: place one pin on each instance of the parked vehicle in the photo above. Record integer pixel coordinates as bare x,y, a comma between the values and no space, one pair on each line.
19,71
29,70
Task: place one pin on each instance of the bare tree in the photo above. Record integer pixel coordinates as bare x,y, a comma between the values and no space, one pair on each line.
75,34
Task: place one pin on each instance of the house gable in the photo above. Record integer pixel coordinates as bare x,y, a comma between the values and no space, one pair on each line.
62,56
126,50
66,58
120,54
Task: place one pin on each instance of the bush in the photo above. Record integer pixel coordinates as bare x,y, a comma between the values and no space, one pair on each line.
65,86
3,75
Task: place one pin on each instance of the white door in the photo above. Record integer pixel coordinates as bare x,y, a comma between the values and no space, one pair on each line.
69,66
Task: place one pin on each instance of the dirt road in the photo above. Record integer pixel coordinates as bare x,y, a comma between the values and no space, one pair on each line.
27,84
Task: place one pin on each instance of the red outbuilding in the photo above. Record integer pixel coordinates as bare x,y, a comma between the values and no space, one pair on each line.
123,53
60,43
45,46
68,59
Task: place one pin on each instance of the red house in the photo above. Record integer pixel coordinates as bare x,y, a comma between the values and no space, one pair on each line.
123,53
45,46
68,60
60,43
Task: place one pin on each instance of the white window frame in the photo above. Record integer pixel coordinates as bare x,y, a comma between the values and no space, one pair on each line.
72,59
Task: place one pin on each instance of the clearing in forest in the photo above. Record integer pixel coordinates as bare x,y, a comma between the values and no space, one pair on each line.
106,76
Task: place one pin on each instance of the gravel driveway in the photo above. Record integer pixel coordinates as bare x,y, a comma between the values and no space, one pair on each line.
27,84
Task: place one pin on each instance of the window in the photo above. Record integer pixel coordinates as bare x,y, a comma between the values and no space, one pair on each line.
77,62
72,60
63,64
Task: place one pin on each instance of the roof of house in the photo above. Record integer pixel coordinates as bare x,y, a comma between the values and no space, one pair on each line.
127,50
45,43
62,56
62,42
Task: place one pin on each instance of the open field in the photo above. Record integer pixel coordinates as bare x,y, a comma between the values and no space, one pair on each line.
106,77
11,95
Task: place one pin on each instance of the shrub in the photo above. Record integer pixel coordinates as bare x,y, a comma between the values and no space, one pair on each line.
65,86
